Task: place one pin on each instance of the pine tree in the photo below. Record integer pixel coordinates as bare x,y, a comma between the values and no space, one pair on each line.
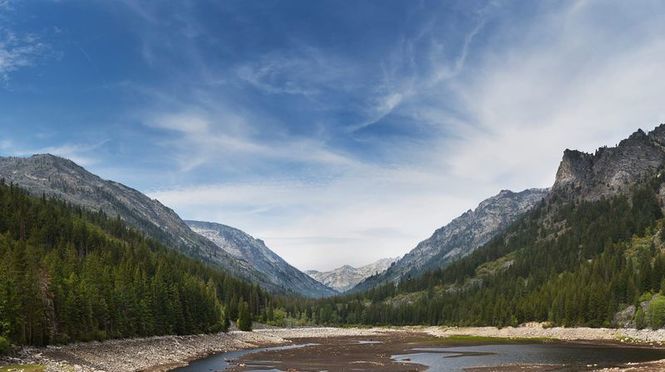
244,319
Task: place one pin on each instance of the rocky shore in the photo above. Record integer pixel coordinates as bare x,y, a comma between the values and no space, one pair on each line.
537,330
164,352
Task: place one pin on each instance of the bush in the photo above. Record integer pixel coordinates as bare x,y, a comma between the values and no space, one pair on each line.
640,320
5,346
657,312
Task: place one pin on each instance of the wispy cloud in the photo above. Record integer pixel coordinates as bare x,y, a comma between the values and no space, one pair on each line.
408,77
17,51
204,139
304,71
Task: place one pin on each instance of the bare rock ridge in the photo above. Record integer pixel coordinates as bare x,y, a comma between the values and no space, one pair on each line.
63,179
244,247
611,170
461,236
346,277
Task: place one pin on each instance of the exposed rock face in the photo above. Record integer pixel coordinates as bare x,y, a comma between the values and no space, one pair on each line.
461,236
611,170
244,247
63,179
346,277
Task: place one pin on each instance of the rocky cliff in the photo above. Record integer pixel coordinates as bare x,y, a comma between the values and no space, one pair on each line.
611,170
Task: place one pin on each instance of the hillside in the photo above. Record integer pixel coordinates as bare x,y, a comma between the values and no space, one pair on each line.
244,247
67,274
461,236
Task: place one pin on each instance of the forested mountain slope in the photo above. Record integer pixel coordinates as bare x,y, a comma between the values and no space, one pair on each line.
63,179
244,247
461,236
67,274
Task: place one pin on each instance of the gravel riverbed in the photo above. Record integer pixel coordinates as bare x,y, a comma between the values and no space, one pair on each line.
167,352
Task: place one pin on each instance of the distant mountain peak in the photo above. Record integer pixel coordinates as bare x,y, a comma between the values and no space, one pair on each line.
346,277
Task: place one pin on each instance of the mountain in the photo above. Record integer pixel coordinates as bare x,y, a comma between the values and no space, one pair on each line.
461,236
346,277
246,248
63,179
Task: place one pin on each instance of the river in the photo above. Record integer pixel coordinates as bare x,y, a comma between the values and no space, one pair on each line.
418,353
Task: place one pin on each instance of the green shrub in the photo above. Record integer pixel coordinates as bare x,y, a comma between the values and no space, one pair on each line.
5,346
640,319
657,312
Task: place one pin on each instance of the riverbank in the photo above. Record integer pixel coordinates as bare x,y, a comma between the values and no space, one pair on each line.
538,331
166,352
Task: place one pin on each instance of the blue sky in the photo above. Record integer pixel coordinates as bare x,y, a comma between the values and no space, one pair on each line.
337,131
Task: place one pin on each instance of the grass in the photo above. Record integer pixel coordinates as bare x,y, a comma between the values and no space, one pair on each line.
476,340
23,368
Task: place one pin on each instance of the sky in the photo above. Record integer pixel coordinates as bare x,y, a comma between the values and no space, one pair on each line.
339,132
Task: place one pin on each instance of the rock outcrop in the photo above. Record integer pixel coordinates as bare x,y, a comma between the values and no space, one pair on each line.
611,170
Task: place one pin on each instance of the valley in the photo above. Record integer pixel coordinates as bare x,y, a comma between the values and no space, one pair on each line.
368,185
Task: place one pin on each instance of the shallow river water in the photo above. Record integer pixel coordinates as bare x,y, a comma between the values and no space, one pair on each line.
572,356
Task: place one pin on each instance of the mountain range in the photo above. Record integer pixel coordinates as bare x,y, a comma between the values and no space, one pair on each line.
241,254
589,251
607,172
53,176
346,277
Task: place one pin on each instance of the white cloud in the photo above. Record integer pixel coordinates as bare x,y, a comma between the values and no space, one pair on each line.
344,220
204,139
17,50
